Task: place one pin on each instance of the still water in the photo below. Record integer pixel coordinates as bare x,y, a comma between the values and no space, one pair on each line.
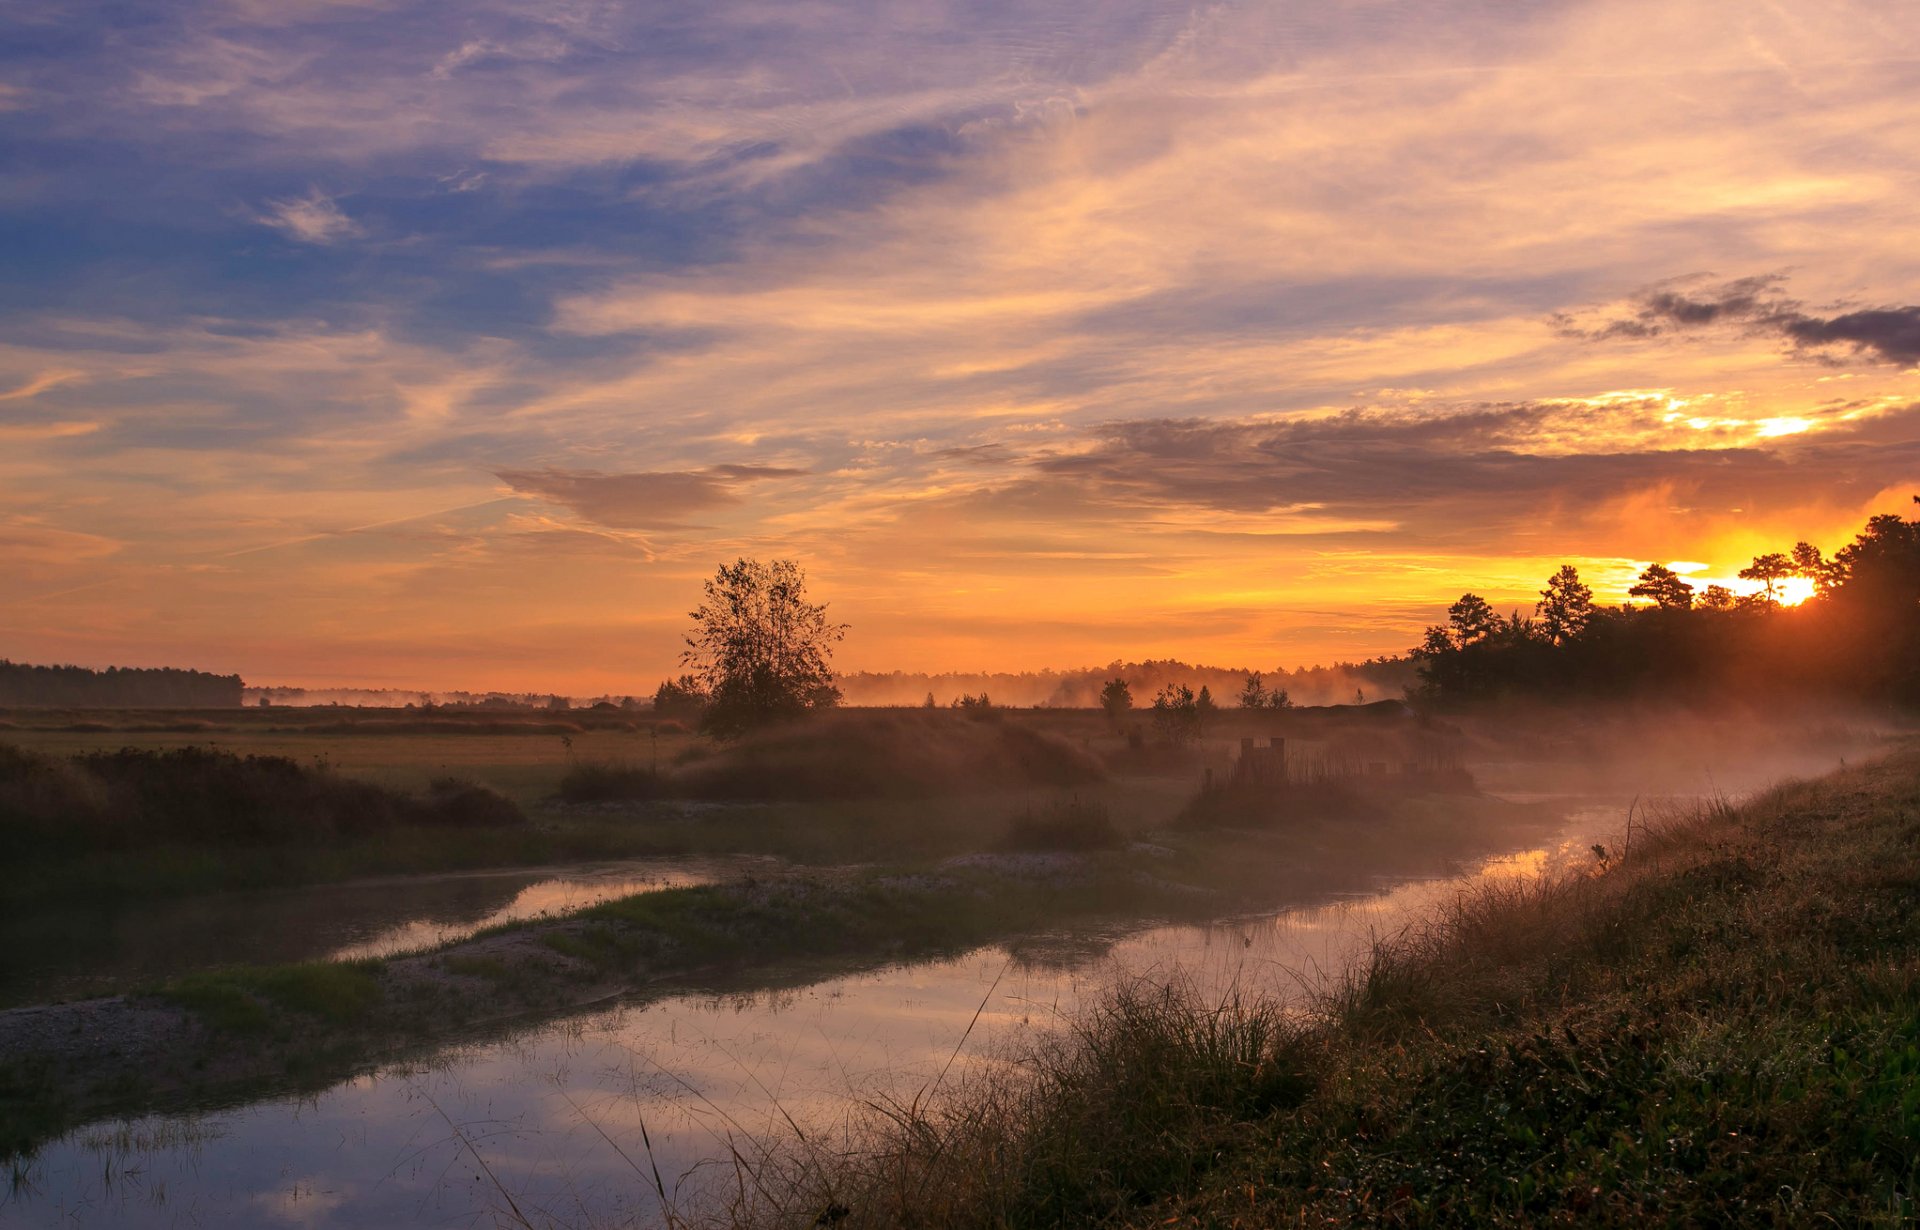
564,1124
86,952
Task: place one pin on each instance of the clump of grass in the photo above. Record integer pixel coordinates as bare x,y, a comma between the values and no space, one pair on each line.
1143,1093
1066,824
455,802
605,782
244,1000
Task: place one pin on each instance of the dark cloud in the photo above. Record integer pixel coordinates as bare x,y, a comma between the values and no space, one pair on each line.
645,501
1756,304
1482,477
1893,334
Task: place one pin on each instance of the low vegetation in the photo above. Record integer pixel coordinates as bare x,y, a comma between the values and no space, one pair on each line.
600,781
1714,1026
1069,824
887,754
229,1033
203,796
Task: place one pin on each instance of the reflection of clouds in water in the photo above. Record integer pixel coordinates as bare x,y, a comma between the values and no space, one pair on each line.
306,1201
573,1116
545,899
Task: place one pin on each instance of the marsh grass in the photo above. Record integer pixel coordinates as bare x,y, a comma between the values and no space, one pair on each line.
601,781
1071,824
1717,1024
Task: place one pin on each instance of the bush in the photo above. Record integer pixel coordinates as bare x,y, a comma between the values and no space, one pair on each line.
1064,825
454,802
599,782
204,796
899,754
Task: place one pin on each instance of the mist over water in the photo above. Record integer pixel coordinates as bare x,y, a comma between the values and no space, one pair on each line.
551,1118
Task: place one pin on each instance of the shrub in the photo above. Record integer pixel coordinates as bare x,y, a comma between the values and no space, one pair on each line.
454,802
898,754
194,795
601,782
1068,824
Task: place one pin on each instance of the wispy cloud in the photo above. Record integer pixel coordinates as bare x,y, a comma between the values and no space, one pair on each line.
314,218
1288,300
657,500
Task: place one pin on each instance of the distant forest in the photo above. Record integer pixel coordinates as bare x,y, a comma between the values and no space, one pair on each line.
1341,683
1857,637
117,687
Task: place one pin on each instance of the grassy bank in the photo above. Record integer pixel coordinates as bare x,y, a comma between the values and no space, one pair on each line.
233,1034
1721,1028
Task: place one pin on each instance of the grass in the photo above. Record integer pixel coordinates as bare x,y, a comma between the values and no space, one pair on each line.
1722,1028
244,1000
596,781
1065,824
138,798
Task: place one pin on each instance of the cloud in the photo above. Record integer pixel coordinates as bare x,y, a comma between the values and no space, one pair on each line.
314,218
644,501
1471,477
1892,334
1756,305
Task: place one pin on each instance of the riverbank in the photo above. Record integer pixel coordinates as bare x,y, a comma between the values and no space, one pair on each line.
1717,1024
221,1038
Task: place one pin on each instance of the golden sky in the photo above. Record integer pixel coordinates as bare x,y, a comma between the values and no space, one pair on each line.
350,343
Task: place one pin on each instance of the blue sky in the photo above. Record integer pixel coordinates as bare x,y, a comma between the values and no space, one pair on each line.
451,345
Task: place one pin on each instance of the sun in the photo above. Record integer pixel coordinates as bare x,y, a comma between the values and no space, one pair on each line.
1794,590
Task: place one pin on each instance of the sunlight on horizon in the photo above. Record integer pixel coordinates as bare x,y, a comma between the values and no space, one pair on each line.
1040,337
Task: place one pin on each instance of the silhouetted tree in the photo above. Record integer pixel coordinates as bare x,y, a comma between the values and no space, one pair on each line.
1116,698
1664,586
1472,620
759,650
1769,570
1254,694
1858,633
1278,699
1809,563
1565,607
1176,713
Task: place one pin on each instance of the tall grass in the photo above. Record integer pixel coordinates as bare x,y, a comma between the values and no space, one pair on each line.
1720,1027
1134,1097
1071,824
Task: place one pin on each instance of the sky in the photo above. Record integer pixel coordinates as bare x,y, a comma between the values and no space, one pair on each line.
395,344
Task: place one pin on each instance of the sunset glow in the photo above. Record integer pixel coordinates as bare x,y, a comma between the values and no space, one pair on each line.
354,343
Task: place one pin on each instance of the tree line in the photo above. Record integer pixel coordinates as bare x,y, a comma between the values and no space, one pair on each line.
23,686
1857,636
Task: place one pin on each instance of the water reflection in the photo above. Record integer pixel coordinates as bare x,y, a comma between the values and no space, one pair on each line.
569,1124
107,948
